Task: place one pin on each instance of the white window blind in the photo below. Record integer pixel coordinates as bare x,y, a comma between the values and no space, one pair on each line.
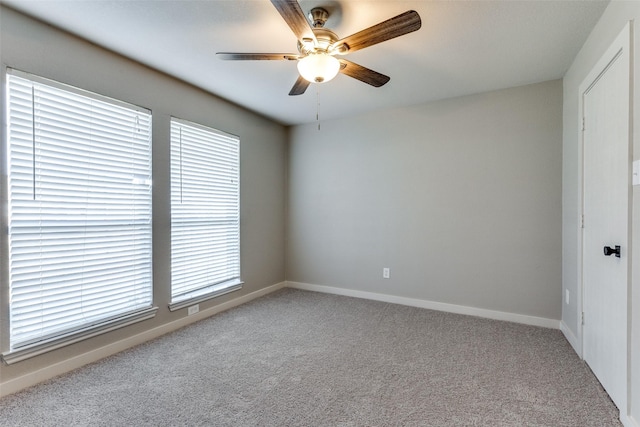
205,213
79,211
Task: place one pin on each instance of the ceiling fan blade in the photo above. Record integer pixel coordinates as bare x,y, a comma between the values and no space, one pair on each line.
391,28
293,15
363,74
299,87
233,56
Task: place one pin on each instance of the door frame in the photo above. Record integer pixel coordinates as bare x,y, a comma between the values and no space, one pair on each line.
622,42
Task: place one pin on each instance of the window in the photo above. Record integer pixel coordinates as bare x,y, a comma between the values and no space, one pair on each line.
205,213
79,214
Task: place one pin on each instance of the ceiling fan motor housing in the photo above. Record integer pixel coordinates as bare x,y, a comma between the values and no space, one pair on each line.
324,37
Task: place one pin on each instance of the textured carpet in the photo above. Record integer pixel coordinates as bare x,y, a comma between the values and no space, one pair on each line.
297,358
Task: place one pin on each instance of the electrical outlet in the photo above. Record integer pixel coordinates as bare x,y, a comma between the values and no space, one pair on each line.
566,296
386,273
193,309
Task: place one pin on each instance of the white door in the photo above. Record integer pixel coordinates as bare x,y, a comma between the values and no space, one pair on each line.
606,220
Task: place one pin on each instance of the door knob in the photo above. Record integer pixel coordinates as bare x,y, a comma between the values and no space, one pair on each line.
608,251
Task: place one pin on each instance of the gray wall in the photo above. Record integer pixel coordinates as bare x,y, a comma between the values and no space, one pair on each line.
460,198
36,48
617,14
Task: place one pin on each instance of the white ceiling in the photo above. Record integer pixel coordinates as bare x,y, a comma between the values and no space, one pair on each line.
463,47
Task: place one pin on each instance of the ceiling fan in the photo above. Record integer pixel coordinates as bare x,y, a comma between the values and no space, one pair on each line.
319,47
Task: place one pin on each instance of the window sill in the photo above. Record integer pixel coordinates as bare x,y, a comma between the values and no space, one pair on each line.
36,349
204,294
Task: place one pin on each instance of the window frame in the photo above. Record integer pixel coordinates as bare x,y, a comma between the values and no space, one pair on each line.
33,347
228,285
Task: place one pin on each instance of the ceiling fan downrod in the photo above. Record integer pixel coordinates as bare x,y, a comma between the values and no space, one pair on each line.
318,17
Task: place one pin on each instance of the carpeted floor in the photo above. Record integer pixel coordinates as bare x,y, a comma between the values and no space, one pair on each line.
297,358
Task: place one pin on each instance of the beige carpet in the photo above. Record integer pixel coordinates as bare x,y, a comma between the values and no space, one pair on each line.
297,358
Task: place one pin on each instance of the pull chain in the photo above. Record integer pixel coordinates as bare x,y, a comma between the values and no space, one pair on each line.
318,105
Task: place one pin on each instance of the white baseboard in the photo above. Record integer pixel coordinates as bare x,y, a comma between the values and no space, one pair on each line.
628,421
48,372
432,305
573,340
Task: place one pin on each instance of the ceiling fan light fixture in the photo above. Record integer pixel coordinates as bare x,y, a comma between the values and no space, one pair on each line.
318,67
